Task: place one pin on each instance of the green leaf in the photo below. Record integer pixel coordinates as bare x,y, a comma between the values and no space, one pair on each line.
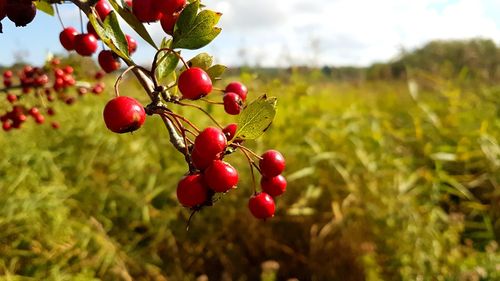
256,117
215,72
203,61
194,30
111,34
167,61
133,22
45,7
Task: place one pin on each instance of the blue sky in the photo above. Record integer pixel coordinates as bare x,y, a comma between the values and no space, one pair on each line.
270,33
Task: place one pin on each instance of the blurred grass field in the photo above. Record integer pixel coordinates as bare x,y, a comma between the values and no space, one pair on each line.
388,180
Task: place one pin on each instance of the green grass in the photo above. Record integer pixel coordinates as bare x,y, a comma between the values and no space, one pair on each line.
383,185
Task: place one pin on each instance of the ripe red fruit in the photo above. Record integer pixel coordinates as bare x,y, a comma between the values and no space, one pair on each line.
21,12
220,176
168,23
272,163
132,44
169,7
3,9
67,38
210,143
11,98
123,115
39,119
194,83
262,205
128,3
55,125
274,186
192,191
34,111
103,9
91,30
237,88
85,44
230,130
146,10
201,162
7,73
232,103
108,61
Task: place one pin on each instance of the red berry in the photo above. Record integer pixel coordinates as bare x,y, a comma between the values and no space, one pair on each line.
123,115
146,10
220,176
108,61
103,9
168,7
192,191
274,186
51,111
272,163
6,126
21,12
3,9
85,44
99,75
91,30
201,162
68,70
132,44
128,3
8,73
34,111
7,82
237,88
194,83
210,143
55,125
168,23
262,205
39,119
230,130
67,38
11,98
232,103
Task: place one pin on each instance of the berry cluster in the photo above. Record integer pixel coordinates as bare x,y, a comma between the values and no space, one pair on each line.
20,12
35,90
86,44
167,12
208,173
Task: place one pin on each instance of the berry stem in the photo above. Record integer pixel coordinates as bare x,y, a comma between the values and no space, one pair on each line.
59,16
202,110
211,102
251,163
81,22
156,62
247,150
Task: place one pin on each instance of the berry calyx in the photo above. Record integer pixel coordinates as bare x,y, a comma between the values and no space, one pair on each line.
103,8
21,12
232,103
221,176
85,44
146,10
108,61
262,205
192,191
237,88
274,186
168,22
168,7
132,44
123,115
210,143
194,83
272,163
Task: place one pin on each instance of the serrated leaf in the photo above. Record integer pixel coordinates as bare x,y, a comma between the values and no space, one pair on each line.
215,72
111,34
256,117
133,22
167,61
194,30
45,7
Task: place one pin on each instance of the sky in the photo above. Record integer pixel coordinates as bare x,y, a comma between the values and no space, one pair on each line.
299,32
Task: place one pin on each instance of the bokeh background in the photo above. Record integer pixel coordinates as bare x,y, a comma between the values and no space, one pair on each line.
388,115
